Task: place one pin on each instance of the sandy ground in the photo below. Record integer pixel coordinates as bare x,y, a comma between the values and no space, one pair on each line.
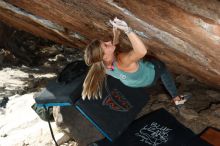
19,124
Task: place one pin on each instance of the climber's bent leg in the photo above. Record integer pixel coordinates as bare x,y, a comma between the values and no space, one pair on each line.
165,76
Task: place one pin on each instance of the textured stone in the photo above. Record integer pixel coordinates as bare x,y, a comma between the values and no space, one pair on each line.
185,32
188,114
213,94
61,138
164,97
76,126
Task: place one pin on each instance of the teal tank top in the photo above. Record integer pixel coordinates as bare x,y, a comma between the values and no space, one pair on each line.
143,77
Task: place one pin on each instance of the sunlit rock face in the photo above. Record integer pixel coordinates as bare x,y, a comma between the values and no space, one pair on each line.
28,63
184,34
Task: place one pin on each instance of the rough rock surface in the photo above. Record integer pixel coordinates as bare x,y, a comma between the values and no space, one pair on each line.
18,76
185,34
76,125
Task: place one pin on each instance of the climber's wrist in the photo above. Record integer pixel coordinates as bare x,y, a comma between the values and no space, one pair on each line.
128,30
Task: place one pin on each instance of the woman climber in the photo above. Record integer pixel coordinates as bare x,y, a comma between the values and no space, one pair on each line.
129,67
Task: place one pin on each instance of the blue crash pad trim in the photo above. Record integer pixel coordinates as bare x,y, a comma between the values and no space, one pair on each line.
54,104
93,122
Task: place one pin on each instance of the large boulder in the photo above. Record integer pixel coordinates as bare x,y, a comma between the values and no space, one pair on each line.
184,34
75,125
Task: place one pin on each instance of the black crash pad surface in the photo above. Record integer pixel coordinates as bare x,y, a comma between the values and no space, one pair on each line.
116,110
158,128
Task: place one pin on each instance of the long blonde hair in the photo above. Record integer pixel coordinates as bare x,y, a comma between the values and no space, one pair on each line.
93,83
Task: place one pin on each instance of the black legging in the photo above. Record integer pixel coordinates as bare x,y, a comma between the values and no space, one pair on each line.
162,73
